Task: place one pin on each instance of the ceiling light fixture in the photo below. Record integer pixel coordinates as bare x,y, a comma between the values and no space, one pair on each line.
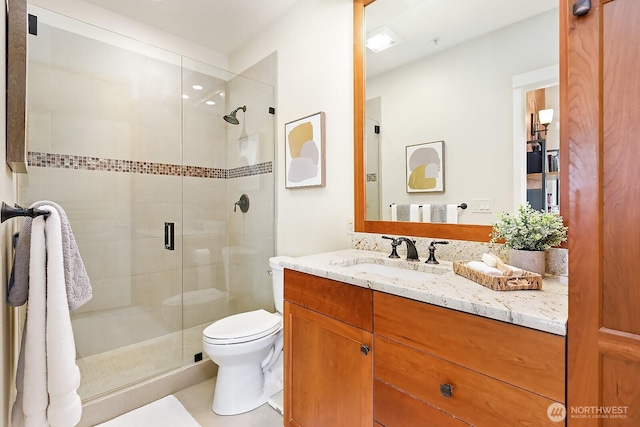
197,87
210,102
381,38
185,96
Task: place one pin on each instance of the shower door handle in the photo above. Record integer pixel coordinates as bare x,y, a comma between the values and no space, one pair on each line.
169,235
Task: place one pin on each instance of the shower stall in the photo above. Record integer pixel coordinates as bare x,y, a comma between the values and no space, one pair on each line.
130,140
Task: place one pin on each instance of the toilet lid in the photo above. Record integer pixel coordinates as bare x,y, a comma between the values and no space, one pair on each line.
242,327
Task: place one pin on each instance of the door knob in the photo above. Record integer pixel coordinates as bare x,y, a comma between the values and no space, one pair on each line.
364,349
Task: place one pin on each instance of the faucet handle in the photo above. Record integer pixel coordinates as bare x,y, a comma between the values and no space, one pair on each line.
394,241
432,251
394,244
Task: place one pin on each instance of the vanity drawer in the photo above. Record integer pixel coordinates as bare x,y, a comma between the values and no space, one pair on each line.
475,398
527,358
341,301
394,408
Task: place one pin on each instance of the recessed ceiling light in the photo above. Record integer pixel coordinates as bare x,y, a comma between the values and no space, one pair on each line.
197,87
381,38
185,96
210,103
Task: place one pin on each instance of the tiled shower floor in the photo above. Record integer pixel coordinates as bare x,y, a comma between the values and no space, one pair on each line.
105,372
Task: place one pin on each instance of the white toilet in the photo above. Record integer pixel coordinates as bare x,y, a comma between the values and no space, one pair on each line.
247,347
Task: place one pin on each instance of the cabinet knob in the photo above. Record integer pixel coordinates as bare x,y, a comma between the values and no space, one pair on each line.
364,349
446,390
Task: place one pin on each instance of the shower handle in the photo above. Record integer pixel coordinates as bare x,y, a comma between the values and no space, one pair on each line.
169,236
243,203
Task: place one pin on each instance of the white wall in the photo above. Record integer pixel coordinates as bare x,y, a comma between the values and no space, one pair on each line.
315,73
462,96
106,19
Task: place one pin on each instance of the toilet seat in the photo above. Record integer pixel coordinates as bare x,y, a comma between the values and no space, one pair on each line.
242,327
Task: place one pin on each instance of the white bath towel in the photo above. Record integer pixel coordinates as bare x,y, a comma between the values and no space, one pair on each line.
426,213
30,407
78,286
63,375
394,212
414,213
452,214
48,377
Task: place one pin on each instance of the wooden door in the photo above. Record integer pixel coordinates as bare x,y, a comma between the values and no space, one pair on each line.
328,376
601,75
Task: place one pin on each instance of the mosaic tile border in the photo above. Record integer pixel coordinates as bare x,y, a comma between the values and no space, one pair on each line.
67,161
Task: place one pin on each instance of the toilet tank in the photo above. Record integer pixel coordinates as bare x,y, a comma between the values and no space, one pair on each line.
277,279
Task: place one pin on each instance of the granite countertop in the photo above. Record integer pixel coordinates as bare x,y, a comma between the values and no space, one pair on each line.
545,310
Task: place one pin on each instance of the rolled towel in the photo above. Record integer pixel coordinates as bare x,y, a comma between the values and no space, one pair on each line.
484,268
489,259
497,263
507,270
515,271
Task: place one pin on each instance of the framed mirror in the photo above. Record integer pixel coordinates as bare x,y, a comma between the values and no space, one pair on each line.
451,76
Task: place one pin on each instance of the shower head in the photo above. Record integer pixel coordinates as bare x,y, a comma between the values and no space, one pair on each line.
231,117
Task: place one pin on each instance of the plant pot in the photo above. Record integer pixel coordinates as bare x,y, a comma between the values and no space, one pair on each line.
533,261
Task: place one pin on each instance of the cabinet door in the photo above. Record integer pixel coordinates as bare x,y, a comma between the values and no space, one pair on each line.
328,371
603,74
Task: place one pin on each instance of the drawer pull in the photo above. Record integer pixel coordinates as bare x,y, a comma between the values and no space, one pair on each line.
364,349
446,390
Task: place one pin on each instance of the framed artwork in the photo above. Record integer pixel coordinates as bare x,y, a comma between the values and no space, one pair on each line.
304,152
425,167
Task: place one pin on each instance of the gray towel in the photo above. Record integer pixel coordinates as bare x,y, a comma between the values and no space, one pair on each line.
77,282
404,212
439,213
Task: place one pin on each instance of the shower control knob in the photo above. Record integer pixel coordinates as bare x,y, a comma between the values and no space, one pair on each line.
243,203
364,349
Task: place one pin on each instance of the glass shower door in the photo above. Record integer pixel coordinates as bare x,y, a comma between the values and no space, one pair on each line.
226,251
105,143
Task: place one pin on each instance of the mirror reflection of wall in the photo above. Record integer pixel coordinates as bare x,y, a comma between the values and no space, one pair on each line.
372,160
460,93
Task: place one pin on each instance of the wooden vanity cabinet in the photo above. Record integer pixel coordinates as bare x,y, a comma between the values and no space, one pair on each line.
459,368
328,357
357,357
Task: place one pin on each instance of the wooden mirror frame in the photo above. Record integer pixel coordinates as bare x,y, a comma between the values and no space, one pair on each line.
471,232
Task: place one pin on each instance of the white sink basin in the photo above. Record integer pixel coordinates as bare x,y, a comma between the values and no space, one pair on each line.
398,272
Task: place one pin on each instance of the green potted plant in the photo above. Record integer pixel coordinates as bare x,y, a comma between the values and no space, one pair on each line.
528,234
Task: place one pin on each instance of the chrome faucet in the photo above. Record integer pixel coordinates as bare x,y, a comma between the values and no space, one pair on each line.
412,252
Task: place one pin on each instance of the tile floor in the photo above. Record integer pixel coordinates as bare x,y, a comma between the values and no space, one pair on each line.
197,400
104,372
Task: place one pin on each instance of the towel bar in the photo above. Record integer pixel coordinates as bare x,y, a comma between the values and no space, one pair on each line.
461,205
7,212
